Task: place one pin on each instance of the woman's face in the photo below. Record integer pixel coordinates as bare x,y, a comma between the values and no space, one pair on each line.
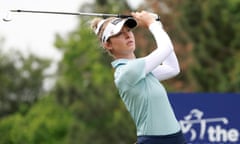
122,45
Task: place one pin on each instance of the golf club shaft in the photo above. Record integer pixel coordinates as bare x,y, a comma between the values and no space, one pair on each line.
74,13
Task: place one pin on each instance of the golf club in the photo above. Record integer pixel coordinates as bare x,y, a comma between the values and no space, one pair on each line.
8,16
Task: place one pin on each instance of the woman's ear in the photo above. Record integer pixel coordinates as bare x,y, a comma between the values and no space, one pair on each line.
107,45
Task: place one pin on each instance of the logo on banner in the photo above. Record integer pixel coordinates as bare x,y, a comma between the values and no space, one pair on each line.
213,129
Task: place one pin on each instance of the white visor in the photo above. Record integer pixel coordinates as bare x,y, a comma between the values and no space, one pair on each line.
115,26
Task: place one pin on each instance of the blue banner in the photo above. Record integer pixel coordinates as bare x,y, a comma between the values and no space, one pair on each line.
208,117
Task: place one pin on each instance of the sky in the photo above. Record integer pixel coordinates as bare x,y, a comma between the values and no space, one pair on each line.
35,33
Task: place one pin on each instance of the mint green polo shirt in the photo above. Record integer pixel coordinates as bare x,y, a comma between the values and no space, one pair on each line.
145,98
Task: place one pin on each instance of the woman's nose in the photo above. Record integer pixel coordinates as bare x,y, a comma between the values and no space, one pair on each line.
127,34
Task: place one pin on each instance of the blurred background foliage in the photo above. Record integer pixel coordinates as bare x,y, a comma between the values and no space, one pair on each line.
84,106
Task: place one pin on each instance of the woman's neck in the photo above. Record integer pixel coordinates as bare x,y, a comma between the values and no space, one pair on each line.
130,56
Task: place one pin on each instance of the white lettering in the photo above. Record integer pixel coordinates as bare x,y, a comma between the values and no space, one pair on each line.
211,134
233,135
208,127
219,134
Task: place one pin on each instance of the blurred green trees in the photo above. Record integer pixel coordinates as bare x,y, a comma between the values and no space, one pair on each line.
213,29
21,81
45,123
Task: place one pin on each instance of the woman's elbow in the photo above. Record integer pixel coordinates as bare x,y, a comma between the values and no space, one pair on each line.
175,72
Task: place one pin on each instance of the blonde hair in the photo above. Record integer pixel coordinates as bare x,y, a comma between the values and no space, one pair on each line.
94,26
96,21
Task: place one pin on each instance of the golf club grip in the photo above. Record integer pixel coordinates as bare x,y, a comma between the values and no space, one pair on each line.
127,16
123,16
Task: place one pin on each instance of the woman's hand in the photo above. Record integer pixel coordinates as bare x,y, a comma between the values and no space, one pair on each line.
143,18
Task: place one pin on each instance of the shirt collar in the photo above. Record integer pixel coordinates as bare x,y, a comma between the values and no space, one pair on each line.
119,62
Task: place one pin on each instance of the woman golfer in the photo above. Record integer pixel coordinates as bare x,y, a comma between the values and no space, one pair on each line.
137,79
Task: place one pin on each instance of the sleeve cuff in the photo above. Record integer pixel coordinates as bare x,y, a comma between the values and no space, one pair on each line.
155,25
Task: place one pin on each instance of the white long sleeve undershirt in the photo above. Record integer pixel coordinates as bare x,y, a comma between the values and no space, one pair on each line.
162,62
